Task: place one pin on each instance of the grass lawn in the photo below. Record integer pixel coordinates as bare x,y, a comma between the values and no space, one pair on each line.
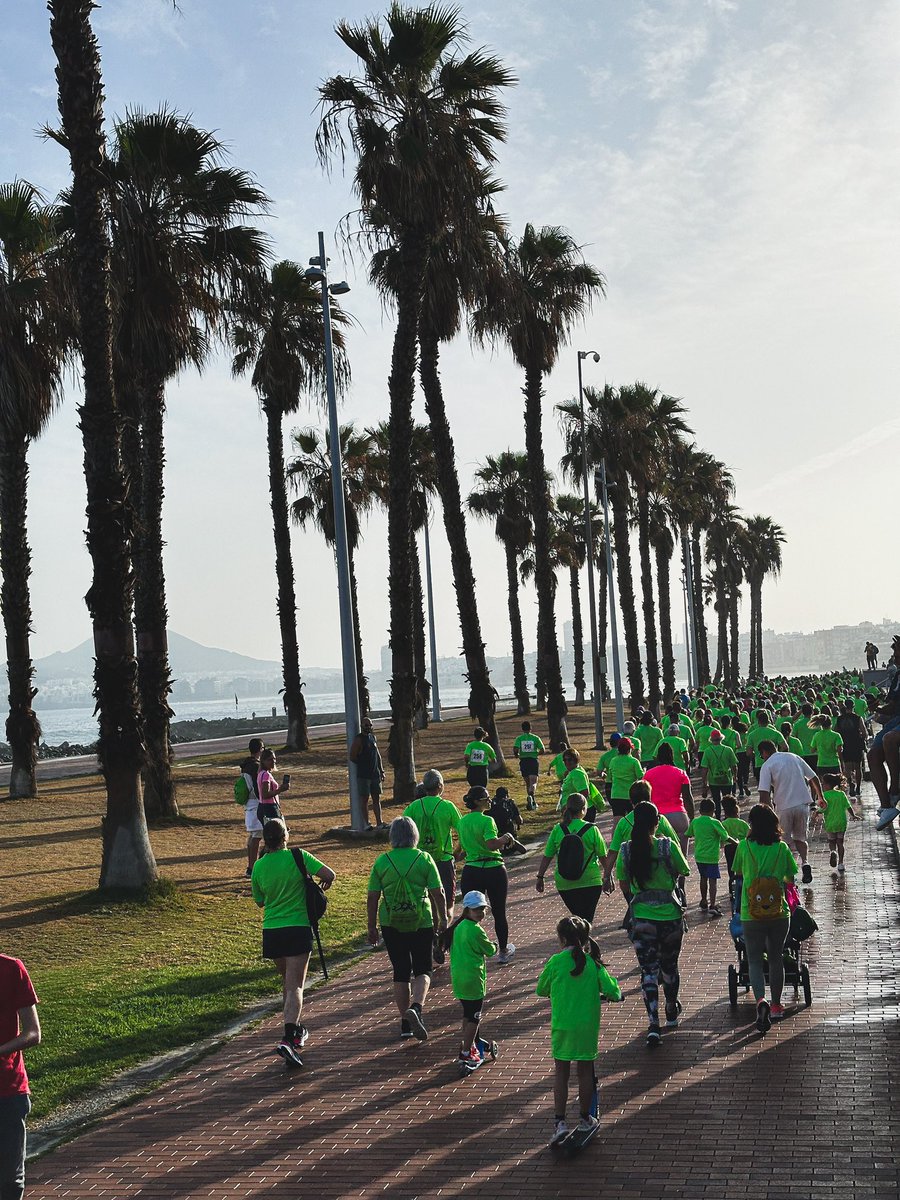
120,982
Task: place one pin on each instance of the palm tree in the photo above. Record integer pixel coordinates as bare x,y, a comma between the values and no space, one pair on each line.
663,543
127,860
179,253
277,335
309,474
36,338
542,287
423,123
572,552
764,540
501,493
722,538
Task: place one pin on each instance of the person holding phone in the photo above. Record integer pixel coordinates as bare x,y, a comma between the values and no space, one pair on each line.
268,790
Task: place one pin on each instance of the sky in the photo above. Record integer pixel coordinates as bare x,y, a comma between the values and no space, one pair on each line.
731,166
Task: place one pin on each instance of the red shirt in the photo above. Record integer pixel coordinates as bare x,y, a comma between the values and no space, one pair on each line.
665,788
16,992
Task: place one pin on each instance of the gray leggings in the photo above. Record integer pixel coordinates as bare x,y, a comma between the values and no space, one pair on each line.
766,937
13,1111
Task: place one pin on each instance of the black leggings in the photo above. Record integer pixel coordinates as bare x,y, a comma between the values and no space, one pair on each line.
582,902
494,882
743,767
657,945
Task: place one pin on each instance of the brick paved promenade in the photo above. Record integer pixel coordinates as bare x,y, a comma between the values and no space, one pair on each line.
717,1111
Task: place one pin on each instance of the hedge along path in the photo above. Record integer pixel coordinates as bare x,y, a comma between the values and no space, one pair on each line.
716,1111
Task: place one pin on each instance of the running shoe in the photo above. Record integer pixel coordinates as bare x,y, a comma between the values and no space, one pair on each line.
715,911
302,1037
586,1124
654,1036
289,1049
763,1016
405,1030
414,1016
776,1012
560,1132
704,905
673,1012
505,955
887,816
832,858
807,873
842,870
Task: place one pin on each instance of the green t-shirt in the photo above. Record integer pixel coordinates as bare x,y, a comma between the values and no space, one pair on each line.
577,781
763,733
732,739
438,816
480,754
720,762
836,808
737,827
419,870
594,851
476,828
752,861
804,734
623,771
575,1005
468,950
527,745
826,745
277,883
861,707
795,745
557,764
660,879
709,837
622,831
703,735
605,759
679,750
648,738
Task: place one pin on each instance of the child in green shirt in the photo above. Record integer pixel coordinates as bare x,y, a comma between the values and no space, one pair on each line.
469,946
709,837
835,806
576,981
737,828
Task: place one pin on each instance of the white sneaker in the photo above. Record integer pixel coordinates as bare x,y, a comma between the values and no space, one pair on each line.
841,869
507,954
586,1124
559,1133
886,817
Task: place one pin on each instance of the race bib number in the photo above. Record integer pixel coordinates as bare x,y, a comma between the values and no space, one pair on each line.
527,748
477,758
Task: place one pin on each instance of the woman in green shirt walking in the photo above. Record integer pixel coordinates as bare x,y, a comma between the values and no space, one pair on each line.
484,870
582,894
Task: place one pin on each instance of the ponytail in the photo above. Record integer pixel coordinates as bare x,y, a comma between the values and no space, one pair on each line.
447,939
575,933
646,819
575,807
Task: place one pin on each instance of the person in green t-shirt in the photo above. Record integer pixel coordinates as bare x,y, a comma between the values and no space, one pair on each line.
709,837
828,746
479,756
679,747
576,982
469,946
576,780
484,869
648,870
557,764
580,895
279,888
794,745
738,829
804,734
648,735
718,770
836,807
763,855
622,771
527,748
762,731
437,819
406,882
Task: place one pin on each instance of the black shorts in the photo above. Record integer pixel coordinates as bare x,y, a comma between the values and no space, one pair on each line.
477,776
620,808
290,941
410,953
472,1009
529,766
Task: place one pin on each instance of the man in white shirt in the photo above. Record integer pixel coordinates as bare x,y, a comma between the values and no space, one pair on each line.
785,783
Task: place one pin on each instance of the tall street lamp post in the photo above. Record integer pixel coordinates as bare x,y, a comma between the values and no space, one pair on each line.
611,589
589,556
318,271
432,636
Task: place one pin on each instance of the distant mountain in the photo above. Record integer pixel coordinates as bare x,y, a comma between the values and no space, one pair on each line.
187,657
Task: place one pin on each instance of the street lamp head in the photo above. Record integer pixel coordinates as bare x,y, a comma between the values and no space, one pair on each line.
314,273
339,289
315,261
582,354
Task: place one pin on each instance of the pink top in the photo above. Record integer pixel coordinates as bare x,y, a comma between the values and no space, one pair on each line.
269,778
665,788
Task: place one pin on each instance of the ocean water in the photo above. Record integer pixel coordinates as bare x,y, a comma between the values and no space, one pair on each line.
79,726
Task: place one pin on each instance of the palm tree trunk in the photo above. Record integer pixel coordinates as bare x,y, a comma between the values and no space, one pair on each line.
734,668
702,634
760,665
365,703
664,588
602,616
577,634
626,593
401,389
423,687
548,648
23,729
520,677
150,612
540,678
722,634
294,700
127,860
650,641
752,664
482,693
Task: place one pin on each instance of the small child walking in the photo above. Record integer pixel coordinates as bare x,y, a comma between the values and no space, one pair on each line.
576,981
737,828
469,946
709,837
835,808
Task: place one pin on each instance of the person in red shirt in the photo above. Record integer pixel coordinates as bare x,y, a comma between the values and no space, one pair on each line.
19,1029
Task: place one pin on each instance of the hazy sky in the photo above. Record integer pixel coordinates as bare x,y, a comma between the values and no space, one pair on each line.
731,166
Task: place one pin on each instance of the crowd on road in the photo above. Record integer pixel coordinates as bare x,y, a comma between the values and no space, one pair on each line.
806,741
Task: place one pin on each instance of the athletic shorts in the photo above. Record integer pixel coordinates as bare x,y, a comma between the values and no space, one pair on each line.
477,776
529,766
471,1009
795,823
252,822
369,787
410,953
290,941
709,871
620,808
892,724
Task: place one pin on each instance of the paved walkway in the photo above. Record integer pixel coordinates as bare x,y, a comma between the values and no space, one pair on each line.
717,1111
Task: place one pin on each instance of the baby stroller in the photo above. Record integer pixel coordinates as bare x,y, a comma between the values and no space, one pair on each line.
796,971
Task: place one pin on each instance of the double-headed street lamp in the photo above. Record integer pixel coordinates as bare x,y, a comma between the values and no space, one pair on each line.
589,556
318,272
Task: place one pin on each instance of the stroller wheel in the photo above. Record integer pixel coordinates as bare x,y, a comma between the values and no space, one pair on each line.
732,985
807,986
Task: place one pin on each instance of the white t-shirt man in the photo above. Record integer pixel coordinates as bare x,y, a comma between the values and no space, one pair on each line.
785,775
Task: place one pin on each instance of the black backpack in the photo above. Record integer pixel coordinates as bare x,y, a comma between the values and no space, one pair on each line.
316,900
504,811
570,857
